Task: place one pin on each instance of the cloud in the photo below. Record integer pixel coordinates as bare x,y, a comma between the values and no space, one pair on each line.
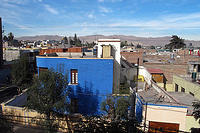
181,17
19,2
50,9
170,22
104,9
91,15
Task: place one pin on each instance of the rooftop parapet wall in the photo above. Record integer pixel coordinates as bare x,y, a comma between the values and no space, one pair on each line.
115,50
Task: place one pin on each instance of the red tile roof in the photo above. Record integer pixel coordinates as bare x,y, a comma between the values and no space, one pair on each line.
151,70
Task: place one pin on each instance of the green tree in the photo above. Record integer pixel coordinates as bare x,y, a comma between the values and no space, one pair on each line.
77,41
132,44
5,38
21,72
75,38
65,40
116,108
47,96
152,47
196,111
175,43
10,38
138,46
124,43
71,41
91,45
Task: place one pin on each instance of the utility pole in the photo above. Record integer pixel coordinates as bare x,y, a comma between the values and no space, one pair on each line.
138,62
133,99
1,44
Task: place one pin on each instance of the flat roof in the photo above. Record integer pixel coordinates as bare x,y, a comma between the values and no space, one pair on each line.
71,57
152,96
184,98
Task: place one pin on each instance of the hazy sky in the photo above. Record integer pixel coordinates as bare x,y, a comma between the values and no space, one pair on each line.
149,18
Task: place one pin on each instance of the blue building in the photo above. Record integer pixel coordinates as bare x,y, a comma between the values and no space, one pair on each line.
91,80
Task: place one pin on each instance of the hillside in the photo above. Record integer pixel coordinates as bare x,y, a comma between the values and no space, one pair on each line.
145,41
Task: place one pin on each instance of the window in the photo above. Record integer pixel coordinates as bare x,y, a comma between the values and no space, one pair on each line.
74,76
176,88
182,89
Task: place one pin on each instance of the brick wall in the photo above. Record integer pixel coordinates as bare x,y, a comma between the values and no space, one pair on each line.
133,56
170,69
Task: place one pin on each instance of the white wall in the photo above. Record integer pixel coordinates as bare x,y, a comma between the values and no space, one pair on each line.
147,76
10,55
167,114
115,43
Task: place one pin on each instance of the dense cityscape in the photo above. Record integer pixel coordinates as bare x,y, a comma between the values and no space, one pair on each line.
112,83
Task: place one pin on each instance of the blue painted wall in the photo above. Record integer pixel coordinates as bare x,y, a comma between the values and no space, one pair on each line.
95,80
139,109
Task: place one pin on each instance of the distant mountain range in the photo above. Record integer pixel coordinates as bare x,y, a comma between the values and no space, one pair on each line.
145,41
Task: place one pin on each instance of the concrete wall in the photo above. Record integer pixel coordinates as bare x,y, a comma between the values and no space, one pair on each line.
128,74
21,112
69,54
115,43
32,118
169,87
95,79
10,55
147,76
168,114
188,85
74,54
191,123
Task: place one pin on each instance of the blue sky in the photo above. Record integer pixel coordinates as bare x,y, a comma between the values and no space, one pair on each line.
147,18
